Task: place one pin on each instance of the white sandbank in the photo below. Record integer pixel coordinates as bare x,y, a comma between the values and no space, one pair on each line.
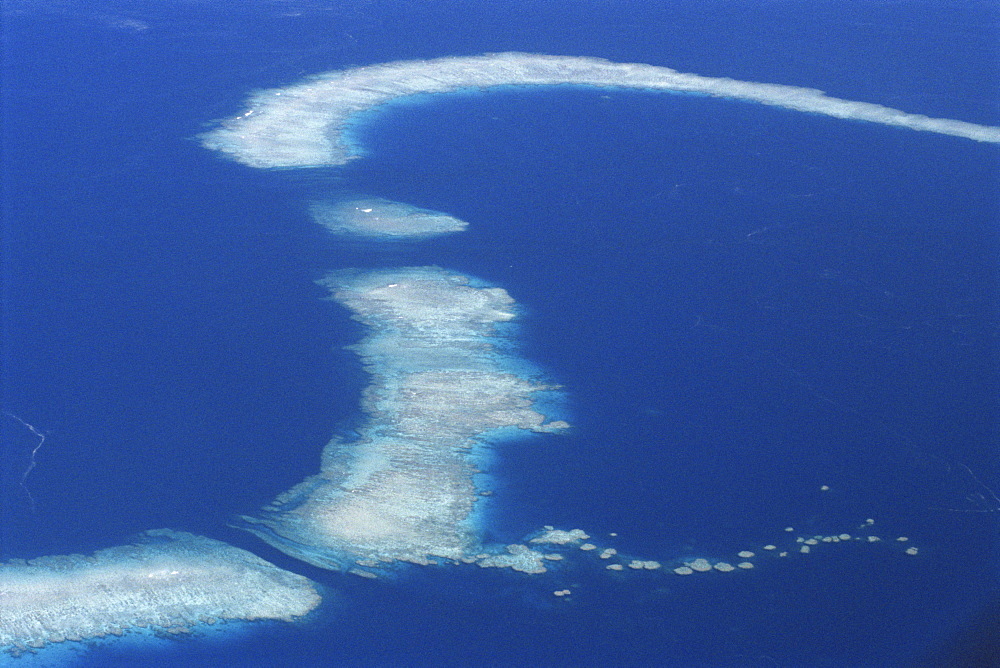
303,125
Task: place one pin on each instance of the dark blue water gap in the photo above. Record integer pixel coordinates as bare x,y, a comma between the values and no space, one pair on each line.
743,303
162,324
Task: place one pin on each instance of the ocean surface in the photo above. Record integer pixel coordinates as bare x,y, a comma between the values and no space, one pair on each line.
742,304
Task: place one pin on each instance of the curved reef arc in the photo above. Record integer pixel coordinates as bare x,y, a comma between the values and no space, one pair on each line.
303,125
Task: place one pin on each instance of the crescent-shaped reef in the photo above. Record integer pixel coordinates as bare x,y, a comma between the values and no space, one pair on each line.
303,125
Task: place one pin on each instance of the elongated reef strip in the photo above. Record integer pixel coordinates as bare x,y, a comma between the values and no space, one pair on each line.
169,580
404,491
303,125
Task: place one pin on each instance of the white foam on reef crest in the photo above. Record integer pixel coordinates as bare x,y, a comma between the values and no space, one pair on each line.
381,218
303,125
170,580
404,491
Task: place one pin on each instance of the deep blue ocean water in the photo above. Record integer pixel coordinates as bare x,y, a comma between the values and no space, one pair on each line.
742,304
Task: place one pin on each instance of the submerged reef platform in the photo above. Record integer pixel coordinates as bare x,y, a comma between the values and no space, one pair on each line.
169,581
404,490
303,125
383,219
